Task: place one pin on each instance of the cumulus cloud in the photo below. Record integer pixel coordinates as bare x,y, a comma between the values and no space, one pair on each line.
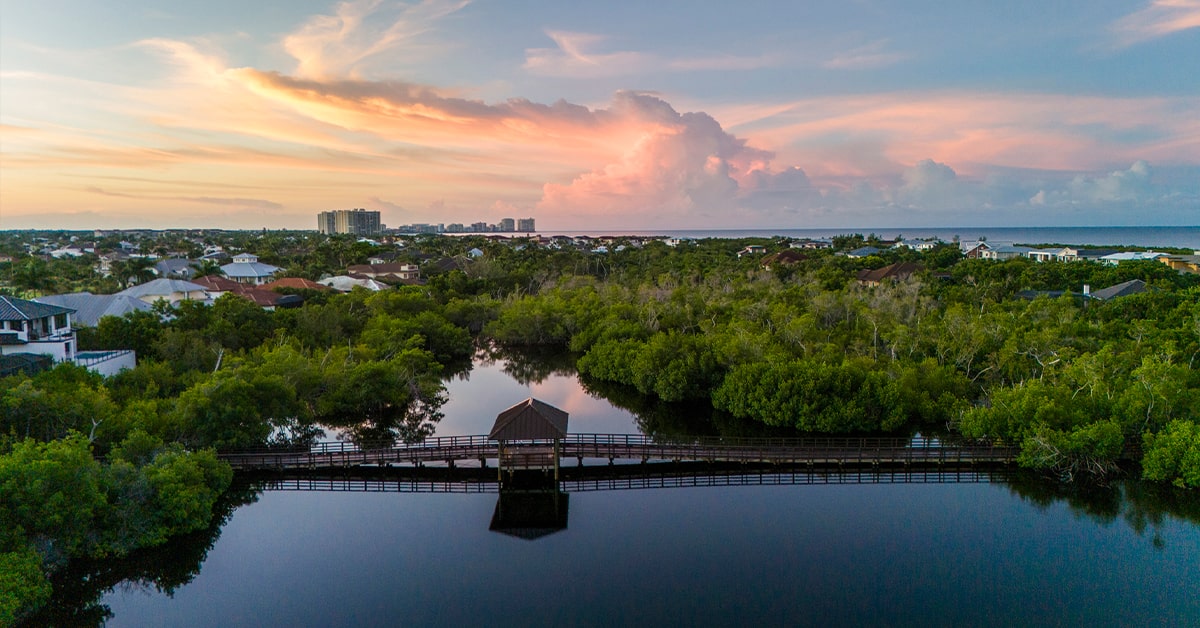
1132,184
1158,19
681,163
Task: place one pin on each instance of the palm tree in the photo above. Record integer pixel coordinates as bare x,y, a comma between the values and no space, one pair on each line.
207,268
32,275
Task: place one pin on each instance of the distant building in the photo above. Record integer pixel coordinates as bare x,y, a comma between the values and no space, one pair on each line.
353,221
525,225
507,225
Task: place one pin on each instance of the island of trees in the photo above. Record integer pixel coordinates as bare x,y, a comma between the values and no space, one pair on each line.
805,342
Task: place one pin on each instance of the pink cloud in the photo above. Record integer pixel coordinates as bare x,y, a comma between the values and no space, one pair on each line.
1158,19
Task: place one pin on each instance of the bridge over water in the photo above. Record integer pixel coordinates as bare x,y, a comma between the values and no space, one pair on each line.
620,477
601,449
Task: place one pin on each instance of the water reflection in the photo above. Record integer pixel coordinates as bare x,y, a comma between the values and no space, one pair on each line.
79,588
530,514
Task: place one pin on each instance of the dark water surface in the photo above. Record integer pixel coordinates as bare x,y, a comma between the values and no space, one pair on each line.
1015,552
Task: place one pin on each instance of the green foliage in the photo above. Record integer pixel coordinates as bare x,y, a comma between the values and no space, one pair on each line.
1173,454
23,586
50,494
1092,448
812,396
234,409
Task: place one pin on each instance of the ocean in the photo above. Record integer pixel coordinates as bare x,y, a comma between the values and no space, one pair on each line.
1176,237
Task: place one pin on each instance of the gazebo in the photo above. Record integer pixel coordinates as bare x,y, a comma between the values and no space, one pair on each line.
537,427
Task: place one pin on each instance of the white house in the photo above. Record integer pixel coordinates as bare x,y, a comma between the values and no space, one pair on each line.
247,269
32,327
29,327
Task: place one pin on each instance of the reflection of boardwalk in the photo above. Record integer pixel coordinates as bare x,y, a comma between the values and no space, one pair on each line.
624,477
609,448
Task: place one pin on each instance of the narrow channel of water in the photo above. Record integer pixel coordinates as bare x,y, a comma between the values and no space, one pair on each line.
1015,551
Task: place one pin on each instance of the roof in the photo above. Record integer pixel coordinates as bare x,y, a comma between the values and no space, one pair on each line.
297,283
214,283
863,251
342,283
160,287
90,308
530,420
175,266
387,268
249,269
14,309
784,257
899,270
1125,288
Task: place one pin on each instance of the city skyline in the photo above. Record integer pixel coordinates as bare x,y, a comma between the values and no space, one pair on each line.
600,117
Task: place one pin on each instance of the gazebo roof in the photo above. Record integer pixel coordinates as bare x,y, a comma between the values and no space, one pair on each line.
530,420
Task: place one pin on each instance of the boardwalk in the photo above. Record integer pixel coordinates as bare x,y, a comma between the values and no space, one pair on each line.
616,477
610,448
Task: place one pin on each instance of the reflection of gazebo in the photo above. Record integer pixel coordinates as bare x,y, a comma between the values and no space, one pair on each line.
530,515
537,427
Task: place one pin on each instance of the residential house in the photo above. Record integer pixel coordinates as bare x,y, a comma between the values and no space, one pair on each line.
1129,256
343,283
393,272
785,257
295,283
1004,252
175,268
108,259
90,308
918,245
811,244
976,250
217,287
246,268
1182,263
32,331
892,272
753,249
865,251
1049,255
1125,288
40,328
169,290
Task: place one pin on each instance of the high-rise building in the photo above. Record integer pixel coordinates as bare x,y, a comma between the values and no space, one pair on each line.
525,225
353,221
507,225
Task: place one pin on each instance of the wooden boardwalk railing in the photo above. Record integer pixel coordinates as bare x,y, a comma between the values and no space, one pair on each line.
825,451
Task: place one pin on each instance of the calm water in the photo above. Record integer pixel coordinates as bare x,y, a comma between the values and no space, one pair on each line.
1017,552
1182,237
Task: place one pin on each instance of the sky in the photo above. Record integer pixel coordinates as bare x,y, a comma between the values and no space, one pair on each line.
600,115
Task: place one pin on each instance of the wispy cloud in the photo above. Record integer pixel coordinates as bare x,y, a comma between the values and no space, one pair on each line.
248,203
338,45
867,57
576,55
1158,19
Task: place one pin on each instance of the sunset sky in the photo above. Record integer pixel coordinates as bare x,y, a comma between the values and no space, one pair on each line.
600,115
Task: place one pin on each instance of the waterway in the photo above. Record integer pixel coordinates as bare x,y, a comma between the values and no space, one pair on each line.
1010,550
1185,237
